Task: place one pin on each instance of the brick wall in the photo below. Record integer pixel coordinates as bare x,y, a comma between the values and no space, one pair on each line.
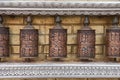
44,23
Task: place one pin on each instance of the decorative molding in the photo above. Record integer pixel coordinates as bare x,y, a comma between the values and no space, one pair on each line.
67,7
60,70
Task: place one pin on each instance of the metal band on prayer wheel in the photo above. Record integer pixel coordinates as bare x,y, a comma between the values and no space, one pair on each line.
28,41
86,41
113,40
4,40
58,40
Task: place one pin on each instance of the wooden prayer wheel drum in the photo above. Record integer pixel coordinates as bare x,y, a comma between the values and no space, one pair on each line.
28,41
113,40
58,41
86,41
4,40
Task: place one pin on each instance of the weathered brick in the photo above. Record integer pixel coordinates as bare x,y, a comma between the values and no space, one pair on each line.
46,49
98,28
49,20
40,49
42,57
71,19
15,57
10,79
42,39
36,79
14,39
69,49
71,39
103,79
51,78
74,49
100,20
69,57
36,27
43,20
46,39
47,27
71,79
15,29
75,28
13,20
99,57
99,39
99,50
68,27
42,29
15,49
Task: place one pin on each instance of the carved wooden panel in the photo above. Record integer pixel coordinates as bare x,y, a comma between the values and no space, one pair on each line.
86,44
58,43
29,43
113,43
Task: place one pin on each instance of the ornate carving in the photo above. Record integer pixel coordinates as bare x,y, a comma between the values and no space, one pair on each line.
113,40
58,41
59,4
4,40
86,41
59,7
28,41
60,70
86,44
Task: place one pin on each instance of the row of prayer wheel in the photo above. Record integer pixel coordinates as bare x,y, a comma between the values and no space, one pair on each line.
58,40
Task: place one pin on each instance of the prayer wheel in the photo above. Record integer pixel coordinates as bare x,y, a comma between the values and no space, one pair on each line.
58,40
113,39
86,41
28,41
4,40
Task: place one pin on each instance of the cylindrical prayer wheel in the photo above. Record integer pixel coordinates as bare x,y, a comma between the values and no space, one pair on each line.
113,40
58,40
4,40
86,41
28,41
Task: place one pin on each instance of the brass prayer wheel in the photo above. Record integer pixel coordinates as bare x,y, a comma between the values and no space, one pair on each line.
58,40
113,39
4,40
86,41
28,40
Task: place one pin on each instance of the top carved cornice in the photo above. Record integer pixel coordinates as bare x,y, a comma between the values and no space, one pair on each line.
60,7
